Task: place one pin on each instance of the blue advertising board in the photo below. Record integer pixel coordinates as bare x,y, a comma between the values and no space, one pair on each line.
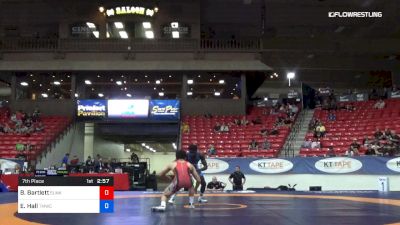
91,108
165,110
368,165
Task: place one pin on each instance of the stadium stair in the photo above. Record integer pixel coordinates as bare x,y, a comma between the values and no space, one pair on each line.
296,137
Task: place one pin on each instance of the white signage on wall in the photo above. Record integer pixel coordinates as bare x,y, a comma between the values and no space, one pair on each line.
394,164
338,165
383,184
215,166
271,165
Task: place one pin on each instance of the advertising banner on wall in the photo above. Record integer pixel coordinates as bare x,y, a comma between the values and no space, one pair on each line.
300,165
165,109
91,108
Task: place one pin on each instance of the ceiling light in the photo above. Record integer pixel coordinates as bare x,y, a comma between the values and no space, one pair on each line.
91,25
158,81
101,9
265,99
145,76
23,83
189,93
96,34
149,34
175,34
108,35
119,25
161,94
221,81
175,25
291,75
44,95
101,95
118,82
128,95
271,76
56,82
143,144
146,25
211,80
88,82
199,76
170,76
154,88
128,150
217,93
31,75
190,81
76,95
123,34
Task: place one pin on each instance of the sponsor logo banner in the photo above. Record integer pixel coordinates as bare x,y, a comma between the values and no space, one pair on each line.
87,108
164,109
338,165
215,166
271,165
394,164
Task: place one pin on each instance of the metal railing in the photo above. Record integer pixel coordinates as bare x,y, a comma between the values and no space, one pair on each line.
124,45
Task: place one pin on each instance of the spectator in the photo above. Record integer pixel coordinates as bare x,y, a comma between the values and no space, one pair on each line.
394,137
373,95
216,185
370,151
253,145
208,116
185,128
264,131
266,145
307,143
217,127
389,149
387,134
39,127
274,131
332,116
244,121
65,159
315,144
320,130
378,134
237,179
74,161
134,158
353,149
20,148
36,115
89,161
380,104
330,152
257,121
211,150
224,128
366,142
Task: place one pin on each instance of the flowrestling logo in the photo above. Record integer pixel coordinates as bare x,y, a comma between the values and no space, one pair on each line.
338,165
271,165
394,164
355,14
215,166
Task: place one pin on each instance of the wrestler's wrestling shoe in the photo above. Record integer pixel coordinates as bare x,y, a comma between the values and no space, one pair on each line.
171,201
158,208
202,200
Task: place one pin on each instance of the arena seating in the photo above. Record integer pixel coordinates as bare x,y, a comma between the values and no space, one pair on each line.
354,124
235,142
53,127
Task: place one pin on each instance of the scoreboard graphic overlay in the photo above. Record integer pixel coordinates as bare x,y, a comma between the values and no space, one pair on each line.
66,195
